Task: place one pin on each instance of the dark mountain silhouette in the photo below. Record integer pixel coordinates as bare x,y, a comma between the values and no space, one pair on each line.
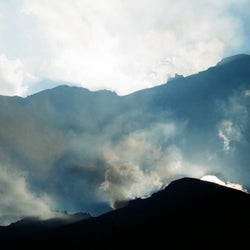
29,227
188,213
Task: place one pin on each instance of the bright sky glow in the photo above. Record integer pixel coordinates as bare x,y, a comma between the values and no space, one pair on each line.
121,45
214,179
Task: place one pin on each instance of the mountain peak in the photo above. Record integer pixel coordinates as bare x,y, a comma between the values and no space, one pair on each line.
232,59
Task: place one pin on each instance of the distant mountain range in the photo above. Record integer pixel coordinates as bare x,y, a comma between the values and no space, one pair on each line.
71,149
187,213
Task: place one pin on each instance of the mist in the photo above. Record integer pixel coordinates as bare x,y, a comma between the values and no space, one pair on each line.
18,201
71,149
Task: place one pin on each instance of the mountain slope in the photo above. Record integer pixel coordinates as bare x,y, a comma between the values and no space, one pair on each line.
188,212
85,151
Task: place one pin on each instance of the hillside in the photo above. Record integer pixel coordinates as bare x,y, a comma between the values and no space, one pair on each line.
188,212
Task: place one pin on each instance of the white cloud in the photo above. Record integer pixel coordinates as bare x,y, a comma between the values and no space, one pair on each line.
129,45
228,132
17,201
13,78
213,178
225,139
235,112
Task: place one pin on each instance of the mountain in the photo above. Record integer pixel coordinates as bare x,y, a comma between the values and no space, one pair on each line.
71,149
187,213
29,226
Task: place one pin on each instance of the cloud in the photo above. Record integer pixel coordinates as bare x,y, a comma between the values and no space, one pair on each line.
126,182
130,45
235,113
85,164
247,93
213,178
52,156
89,159
144,162
17,201
228,132
14,80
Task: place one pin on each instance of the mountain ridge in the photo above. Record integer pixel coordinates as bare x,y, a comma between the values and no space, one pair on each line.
225,60
102,144
186,207
233,58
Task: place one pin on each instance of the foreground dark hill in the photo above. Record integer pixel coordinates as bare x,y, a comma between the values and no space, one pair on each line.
187,213
86,150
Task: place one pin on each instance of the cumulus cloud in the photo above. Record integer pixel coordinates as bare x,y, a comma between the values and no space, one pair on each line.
130,45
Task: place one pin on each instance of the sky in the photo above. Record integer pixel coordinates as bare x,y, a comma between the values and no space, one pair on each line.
119,45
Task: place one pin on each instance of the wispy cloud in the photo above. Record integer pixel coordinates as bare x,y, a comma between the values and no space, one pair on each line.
235,113
228,132
17,201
